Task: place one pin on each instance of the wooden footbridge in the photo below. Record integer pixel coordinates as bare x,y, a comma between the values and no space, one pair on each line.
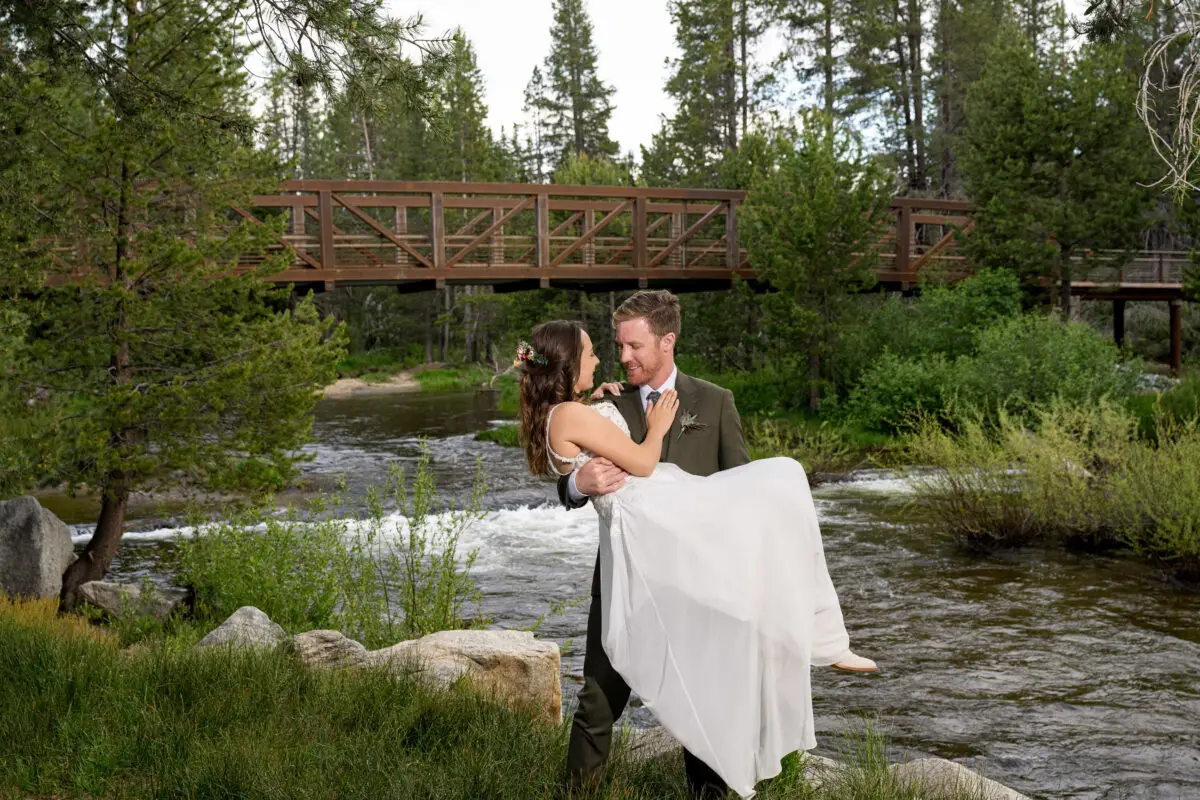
419,236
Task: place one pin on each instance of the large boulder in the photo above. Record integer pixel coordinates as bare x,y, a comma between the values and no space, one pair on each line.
937,775
35,549
121,599
511,666
246,627
328,649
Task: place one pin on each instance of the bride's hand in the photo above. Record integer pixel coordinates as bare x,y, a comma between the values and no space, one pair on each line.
660,415
611,388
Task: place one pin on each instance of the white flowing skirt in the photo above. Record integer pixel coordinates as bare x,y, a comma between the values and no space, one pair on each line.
717,601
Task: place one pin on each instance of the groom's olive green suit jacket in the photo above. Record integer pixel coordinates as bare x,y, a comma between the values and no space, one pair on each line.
714,441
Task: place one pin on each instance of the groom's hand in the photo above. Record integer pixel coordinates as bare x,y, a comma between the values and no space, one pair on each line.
598,477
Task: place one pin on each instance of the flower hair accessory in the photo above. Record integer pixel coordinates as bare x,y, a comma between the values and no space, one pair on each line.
525,352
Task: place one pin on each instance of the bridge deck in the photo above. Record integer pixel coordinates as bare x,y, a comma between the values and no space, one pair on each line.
419,235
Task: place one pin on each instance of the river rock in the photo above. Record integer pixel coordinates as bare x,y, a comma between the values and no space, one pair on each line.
649,743
35,549
328,649
121,599
949,778
511,665
246,627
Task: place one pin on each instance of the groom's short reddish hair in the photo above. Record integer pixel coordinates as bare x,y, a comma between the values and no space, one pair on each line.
660,309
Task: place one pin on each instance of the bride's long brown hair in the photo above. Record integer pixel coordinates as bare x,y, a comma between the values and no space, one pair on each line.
543,386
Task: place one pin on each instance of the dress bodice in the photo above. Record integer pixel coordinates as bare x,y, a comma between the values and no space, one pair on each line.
609,412
606,410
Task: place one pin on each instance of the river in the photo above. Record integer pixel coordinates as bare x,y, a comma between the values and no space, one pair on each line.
1061,675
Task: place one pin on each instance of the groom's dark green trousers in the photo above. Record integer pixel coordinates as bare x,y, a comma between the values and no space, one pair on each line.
715,445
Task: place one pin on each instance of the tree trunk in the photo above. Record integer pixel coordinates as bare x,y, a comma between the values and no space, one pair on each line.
448,297
429,317
614,356
947,103
98,554
93,564
814,373
731,104
367,145
1064,274
469,325
744,66
918,89
827,64
904,97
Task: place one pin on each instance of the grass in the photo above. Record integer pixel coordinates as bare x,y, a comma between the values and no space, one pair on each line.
822,446
508,435
373,367
457,378
84,718
1080,477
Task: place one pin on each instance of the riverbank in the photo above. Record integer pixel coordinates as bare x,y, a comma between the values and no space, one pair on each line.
261,724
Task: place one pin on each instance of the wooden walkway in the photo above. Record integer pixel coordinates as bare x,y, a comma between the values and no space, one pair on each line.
418,236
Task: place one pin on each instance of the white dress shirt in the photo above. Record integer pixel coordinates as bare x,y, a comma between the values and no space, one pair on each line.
645,390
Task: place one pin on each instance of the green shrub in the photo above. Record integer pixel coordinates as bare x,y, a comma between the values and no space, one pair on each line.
295,570
943,319
452,379
1076,475
1026,361
377,576
503,435
374,364
897,391
819,447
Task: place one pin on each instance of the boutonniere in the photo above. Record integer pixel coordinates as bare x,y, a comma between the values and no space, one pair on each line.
688,422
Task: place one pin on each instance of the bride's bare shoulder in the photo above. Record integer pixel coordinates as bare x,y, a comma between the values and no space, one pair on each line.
569,410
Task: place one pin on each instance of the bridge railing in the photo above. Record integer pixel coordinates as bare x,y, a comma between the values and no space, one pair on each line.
347,232
360,231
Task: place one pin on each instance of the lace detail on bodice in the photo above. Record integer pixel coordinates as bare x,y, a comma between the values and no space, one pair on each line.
606,410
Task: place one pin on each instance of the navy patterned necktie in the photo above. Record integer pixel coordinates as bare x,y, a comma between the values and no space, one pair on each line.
652,398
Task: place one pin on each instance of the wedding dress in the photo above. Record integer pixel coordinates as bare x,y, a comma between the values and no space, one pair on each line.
716,602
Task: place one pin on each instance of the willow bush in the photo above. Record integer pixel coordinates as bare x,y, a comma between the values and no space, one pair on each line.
390,572
1072,474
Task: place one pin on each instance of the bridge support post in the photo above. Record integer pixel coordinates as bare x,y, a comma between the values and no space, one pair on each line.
542,232
1177,338
732,252
1119,322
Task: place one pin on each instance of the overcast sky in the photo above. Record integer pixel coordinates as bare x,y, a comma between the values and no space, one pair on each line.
633,37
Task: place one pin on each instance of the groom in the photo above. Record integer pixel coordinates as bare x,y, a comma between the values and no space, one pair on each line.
647,327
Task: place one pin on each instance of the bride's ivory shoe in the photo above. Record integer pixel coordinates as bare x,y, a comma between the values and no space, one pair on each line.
853,663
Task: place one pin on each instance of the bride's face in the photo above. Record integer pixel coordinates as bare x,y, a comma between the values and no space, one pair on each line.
587,364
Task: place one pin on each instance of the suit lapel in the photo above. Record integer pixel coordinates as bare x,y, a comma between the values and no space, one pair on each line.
630,406
686,390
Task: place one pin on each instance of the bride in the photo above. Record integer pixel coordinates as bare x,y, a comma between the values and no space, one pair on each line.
717,600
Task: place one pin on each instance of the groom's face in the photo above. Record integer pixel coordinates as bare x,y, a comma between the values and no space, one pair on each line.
646,358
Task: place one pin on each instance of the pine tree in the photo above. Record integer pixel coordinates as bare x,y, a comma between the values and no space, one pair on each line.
538,147
716,82
887,60
577,104
963,33
1053,158
153,365
464,149
807,223
816,54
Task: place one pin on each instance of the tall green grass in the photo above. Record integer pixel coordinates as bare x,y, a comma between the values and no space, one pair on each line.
82,718
1077,476
391,571
461,378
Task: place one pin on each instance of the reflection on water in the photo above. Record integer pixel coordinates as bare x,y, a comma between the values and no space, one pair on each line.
1061,675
